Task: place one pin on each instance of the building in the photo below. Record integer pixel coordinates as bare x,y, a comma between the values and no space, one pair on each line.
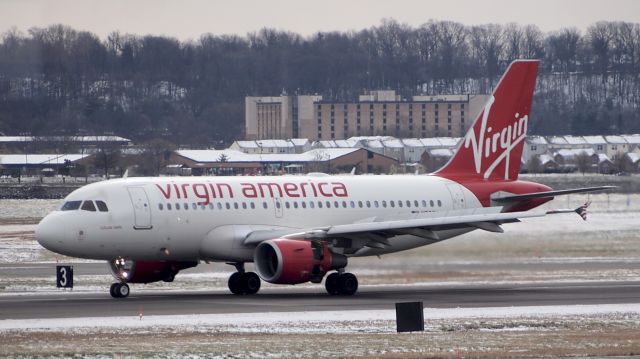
29,163
377,113
277,117
232,162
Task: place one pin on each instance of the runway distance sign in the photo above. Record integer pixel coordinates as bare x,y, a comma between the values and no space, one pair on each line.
64,276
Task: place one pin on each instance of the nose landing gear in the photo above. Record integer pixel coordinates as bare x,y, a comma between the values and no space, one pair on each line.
119,290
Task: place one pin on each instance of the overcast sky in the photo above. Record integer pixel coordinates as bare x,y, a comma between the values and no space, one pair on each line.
188,19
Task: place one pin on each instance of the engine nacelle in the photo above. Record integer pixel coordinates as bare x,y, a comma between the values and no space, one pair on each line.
288,261
147,271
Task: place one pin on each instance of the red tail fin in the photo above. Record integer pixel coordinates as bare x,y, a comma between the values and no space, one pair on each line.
492,148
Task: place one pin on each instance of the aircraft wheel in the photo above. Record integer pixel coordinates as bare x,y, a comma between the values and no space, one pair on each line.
234,283
122,289
347,284
331,283
112,290
250,283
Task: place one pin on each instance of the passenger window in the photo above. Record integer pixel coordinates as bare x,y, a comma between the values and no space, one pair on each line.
336,205
392,204
368,204
295,204
360,204
304,204
399,203
278,205
264,205
88,206
210,205
424,203
253,205
186,206
375,204
344,204
219,205
328,204
431,203
353,205
244,205
160,206
384,204
177,206
235,205
408,203
319,204
102,207
227,205
195,206
311,205
439,203
70,206
168,206
415,203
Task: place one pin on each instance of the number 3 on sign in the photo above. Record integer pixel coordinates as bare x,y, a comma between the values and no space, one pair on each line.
64,276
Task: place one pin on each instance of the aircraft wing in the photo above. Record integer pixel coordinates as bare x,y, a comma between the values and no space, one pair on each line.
376,232
504,198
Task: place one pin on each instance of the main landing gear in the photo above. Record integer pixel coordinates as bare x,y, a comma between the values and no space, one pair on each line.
243,283
119,290
339,283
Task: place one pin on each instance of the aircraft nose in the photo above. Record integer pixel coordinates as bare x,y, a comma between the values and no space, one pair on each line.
50,233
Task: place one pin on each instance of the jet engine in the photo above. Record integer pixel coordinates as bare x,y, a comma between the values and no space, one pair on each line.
147,271
288,261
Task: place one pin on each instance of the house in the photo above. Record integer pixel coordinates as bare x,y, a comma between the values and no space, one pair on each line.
597,143
569,160
394,148
631,162
616,146
413,149
263,146
434,159
534,146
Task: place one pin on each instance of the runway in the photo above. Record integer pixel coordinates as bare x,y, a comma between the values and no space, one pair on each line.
294,299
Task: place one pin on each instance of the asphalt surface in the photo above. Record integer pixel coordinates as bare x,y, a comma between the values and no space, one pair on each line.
288,299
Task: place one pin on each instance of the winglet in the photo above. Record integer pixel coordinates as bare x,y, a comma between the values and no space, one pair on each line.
582,210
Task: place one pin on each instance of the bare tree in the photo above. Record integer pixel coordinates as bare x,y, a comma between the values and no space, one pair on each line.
107,157
155,155
583,162
534,165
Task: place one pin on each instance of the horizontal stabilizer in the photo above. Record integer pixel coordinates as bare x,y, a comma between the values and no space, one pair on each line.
526,196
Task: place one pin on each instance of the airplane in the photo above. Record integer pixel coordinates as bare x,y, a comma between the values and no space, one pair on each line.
299,229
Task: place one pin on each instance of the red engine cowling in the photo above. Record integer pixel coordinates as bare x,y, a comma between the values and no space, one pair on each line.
147,271
288,261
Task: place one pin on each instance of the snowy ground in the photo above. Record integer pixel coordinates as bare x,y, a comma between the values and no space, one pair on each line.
552,249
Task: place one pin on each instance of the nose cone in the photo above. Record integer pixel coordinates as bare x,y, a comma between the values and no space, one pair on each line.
51,234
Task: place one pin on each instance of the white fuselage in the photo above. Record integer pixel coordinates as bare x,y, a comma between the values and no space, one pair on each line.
208,218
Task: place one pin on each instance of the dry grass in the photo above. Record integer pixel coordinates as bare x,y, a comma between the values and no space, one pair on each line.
562,337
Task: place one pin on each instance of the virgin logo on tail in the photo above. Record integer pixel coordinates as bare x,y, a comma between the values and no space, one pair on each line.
492,147
491,142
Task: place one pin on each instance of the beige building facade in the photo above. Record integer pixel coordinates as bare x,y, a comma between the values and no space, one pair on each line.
378,113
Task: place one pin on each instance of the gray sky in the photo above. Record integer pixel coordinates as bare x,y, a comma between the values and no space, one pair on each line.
188,19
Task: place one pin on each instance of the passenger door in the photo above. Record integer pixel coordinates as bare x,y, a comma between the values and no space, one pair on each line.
141,208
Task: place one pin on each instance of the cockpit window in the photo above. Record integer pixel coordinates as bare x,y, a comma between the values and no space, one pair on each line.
102,206
88,206
70,206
